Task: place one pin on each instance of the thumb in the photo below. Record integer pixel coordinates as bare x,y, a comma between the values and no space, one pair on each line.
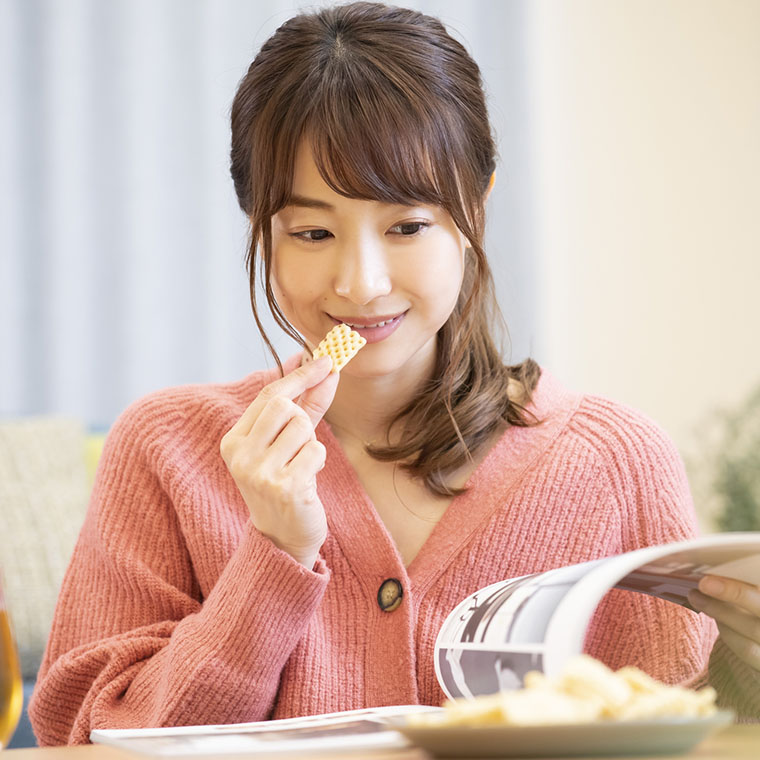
315,401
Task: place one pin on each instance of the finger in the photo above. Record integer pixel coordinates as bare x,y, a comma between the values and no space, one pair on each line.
241,451
730,590
273,419
727,614
310,459
745,649
292,438
291,386
315,401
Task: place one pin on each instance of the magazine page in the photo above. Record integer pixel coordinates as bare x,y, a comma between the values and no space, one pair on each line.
330,733
495,636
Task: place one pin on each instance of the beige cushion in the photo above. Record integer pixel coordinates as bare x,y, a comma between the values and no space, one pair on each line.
43,497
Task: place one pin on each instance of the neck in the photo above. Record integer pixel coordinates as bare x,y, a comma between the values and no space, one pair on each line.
364,407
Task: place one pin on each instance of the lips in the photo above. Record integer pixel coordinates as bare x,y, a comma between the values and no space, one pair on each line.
372,329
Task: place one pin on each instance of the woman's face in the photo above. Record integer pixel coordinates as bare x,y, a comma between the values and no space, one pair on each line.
392,273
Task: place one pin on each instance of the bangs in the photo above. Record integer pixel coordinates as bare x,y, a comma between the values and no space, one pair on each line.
371,140
380,159
384,120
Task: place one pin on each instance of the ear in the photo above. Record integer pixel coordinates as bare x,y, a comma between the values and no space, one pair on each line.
491,183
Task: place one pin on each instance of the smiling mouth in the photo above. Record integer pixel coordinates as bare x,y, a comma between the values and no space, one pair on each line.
367,323
373,329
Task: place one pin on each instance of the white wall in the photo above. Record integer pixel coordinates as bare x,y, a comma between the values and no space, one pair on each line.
646,153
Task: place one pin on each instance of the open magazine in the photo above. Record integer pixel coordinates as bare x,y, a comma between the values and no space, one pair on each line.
488,643
537,622
330,733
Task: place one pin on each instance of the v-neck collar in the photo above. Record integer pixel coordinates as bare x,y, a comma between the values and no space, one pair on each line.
368,545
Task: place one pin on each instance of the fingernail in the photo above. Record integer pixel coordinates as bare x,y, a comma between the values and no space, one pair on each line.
711,586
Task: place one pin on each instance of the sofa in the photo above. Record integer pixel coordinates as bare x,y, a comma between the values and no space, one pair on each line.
47,465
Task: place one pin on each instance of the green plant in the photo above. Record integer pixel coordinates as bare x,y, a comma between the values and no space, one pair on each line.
733,467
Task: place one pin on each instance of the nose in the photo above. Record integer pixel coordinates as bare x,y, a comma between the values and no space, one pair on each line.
363,272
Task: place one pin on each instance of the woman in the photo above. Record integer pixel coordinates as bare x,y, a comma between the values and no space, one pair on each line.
308,567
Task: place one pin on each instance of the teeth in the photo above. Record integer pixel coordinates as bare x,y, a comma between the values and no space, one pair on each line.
364,327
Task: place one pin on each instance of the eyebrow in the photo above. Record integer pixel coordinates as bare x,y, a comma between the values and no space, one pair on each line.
304,202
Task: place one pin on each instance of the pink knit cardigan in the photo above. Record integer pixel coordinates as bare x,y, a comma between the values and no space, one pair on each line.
176,611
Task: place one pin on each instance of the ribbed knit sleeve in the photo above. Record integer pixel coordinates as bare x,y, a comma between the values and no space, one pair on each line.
737,684
648,482
648,488
136,641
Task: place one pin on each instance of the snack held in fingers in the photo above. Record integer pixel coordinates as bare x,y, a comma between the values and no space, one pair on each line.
341,344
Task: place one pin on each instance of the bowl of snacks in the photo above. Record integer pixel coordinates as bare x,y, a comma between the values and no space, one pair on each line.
588,710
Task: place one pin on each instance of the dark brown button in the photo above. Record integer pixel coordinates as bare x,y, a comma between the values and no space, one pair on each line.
389,595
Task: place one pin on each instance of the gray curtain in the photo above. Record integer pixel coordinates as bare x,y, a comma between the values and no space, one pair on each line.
121,242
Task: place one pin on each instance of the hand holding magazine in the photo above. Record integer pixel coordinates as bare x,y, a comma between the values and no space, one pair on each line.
488,643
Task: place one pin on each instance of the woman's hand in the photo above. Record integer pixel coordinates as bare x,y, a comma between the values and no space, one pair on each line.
274,456
735,606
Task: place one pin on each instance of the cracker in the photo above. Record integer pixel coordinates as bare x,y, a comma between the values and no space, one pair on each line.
341,345
585,691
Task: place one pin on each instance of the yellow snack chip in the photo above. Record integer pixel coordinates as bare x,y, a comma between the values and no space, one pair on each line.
341,345
585,691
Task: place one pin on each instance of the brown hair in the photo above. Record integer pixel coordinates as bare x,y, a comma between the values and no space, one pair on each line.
394,111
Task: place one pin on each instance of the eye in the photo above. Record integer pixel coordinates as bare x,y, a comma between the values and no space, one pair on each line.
409,229
311,236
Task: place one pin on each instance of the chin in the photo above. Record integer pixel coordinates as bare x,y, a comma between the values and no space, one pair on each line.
385,363
365,368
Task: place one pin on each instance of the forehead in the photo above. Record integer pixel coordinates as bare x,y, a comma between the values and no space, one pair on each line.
306,175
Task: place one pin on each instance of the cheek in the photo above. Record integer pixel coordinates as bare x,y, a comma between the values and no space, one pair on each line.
297,289
281,294
439,279
292,283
